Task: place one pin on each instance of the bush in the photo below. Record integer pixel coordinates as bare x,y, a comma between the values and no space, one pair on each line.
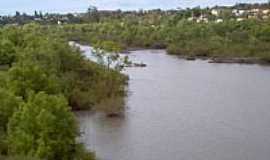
176,49
9,103
43,127
26,77
18,158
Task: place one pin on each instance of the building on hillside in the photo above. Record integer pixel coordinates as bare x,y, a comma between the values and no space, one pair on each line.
239,13
255,10
240,19
215,12
266,11
37,19
202,19
254,13
252,17
219,20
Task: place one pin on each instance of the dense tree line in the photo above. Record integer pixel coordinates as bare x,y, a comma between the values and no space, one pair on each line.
92,14
43,78
171,30
248,38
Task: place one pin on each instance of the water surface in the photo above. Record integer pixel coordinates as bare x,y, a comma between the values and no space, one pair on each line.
186,110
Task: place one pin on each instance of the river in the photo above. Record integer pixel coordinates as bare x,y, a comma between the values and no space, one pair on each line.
186,110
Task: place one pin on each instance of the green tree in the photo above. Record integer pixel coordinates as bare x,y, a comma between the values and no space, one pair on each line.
8,105
27,77
92,14
7,52
18,158
43,127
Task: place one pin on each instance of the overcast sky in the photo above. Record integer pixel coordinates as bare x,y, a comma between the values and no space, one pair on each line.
10,6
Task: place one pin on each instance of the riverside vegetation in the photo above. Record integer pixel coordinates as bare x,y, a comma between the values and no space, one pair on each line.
195,32
230,39
174,31
42,79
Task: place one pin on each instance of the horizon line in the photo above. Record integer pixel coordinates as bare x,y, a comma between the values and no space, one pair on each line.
83,10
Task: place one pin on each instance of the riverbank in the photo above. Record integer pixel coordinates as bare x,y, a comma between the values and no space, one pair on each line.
238,60
249,39
211,59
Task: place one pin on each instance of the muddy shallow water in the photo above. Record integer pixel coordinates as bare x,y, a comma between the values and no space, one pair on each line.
190,110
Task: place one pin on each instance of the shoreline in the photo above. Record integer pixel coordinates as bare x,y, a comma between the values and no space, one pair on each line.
230,60
224,60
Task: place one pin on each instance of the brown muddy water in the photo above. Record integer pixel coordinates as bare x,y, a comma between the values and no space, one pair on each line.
186,110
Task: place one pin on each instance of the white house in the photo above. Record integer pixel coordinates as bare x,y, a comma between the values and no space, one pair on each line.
238,13
234,11
255,10
240,19
215,12
266,11
241,12
37,19
219,20
252,16
202,18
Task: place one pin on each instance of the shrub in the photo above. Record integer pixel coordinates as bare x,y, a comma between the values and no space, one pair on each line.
43,127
